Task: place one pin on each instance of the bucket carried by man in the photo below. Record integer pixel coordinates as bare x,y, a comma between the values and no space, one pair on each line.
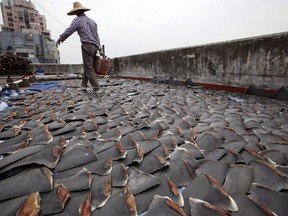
102,65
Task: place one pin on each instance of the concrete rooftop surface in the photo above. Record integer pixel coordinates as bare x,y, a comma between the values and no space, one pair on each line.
140,148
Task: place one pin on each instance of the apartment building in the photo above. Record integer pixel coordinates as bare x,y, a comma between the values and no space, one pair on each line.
25,30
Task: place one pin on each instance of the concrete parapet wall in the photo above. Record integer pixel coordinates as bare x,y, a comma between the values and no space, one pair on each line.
60,69
260,61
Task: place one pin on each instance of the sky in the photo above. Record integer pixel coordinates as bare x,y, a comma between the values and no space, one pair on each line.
129,27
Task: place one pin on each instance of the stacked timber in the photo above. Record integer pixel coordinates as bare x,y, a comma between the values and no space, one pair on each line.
11,64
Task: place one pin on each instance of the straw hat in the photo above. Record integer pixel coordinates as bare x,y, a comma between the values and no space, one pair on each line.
76,7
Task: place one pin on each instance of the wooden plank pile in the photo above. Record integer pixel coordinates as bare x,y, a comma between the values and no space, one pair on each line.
11,64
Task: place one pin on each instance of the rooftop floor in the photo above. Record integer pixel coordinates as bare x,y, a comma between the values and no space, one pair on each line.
143,148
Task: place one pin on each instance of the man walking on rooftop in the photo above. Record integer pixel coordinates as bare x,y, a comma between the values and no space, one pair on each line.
88,33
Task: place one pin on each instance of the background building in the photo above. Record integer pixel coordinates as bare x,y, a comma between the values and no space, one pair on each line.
25,30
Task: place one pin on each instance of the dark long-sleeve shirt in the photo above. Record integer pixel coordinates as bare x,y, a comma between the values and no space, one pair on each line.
86,29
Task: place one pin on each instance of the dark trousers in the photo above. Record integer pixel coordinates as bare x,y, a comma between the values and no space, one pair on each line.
89,60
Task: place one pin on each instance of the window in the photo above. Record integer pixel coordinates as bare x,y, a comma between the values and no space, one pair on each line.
20,15
32,17
29,37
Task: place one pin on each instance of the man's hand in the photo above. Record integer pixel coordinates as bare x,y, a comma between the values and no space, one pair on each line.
58,42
